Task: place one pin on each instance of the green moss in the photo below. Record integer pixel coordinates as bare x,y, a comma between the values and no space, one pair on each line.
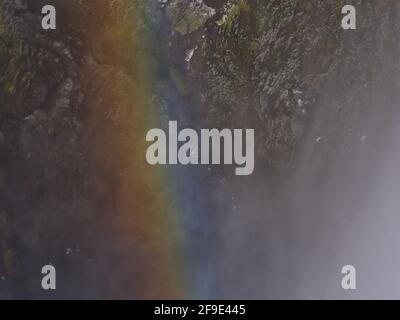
254,45
234,13
10,85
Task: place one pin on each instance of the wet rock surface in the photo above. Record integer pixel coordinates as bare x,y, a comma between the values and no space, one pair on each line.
62,134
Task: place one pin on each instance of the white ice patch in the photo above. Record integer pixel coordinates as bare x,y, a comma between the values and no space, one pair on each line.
189,54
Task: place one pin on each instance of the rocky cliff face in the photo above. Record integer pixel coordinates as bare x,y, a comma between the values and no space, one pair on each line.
273,65
66,145
284,67
42,151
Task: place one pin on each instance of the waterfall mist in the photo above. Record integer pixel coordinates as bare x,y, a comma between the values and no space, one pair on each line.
337,202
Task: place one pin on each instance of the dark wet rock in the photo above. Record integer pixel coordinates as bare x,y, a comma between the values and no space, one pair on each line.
271,65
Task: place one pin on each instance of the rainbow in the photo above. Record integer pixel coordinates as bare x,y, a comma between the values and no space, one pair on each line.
147,212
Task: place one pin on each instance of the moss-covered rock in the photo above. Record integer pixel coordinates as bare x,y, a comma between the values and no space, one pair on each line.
188,16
